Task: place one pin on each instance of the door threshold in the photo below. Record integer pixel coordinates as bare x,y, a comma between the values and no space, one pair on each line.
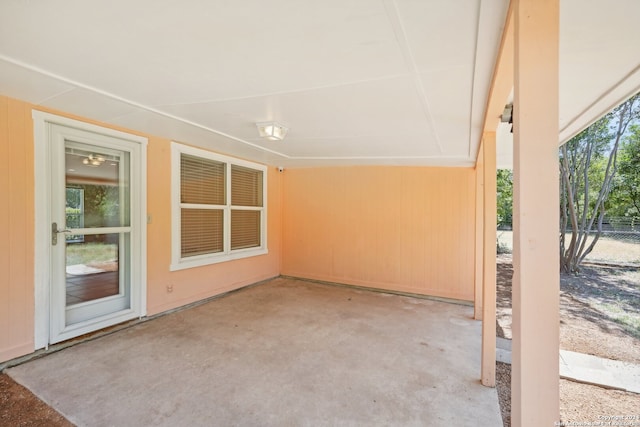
54,348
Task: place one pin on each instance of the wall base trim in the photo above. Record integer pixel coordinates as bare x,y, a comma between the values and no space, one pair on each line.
15,351
383,291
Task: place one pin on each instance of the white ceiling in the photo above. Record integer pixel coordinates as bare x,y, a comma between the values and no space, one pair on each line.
356,81
599,65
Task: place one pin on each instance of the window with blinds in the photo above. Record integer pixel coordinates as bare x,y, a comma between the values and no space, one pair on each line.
202,231
246,186
202,199
202,181
221,206
246,192
245,229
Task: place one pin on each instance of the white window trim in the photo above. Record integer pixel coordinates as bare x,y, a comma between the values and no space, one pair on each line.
179,263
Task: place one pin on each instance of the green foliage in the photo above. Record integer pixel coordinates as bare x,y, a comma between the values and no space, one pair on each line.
504,181
74,210
588,166
101,207
74,198
90,205
587,156
625,195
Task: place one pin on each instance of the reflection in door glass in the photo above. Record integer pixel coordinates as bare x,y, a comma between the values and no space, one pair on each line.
97,196
92,268
74,212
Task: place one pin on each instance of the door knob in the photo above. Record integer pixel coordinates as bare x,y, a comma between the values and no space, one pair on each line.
55,231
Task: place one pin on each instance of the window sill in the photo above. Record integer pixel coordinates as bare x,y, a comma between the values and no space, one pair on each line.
200,261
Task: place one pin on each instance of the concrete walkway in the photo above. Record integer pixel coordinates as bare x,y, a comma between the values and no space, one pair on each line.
587,369
283,353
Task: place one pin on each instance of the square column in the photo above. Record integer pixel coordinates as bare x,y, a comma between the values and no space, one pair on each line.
489,206
479,249
535,346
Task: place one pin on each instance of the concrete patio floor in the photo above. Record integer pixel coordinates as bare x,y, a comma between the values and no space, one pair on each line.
286,352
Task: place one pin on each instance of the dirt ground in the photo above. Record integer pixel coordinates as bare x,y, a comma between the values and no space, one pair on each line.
580,404
599,315
608,249
20,407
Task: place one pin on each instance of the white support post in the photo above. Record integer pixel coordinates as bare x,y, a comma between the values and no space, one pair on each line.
479,249
489,261
535,377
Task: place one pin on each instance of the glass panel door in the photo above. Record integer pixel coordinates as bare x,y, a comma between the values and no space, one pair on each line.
97,215
92,238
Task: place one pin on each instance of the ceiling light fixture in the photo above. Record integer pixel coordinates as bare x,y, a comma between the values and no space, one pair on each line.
93,160
273,131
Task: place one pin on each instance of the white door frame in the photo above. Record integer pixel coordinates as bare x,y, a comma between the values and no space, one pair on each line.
42,204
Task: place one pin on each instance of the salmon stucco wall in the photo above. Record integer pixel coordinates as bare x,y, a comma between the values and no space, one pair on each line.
165,289
17,219
408,229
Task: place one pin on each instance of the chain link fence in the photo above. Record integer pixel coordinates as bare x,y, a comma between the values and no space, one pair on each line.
619,242
622,228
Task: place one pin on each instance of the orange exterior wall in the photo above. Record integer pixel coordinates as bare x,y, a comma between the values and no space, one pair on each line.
194,284
17,219
17,248
408,229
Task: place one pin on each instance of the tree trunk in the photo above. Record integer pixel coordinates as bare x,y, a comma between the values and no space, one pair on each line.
576,207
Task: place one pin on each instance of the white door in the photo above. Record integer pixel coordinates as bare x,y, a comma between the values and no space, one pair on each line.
95,234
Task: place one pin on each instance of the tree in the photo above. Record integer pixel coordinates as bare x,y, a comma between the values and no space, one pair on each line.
504,180
625,195
588,164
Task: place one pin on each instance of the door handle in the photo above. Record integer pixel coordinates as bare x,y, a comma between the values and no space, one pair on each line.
55,231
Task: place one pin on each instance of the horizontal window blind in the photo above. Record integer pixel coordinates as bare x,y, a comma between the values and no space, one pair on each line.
245,229
220,212
202,231
202,181
246,186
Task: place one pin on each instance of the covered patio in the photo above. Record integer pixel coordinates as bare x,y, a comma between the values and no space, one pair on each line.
395,120
283,352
